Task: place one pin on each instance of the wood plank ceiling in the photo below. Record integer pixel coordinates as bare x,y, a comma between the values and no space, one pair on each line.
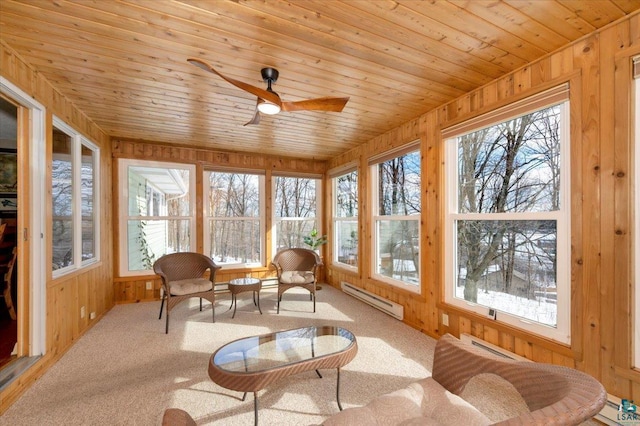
124,63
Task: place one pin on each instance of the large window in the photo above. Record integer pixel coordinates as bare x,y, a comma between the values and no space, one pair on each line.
234,209
74,196
345,218
295,210
395,180
157,213
507,227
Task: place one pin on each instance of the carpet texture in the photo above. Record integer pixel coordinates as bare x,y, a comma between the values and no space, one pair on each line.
126,371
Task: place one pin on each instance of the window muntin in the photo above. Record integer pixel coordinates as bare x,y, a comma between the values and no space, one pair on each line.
507,226
157,211
397,196
345,219
74,200
234,209
295,210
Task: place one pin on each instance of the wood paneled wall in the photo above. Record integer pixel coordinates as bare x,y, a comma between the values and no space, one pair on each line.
598,70
133,289
91,287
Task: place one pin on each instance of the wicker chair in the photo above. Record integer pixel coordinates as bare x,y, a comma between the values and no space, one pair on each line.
555,395
297,267
183,277
551,394
177,417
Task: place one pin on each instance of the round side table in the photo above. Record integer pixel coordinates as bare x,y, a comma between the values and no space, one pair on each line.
240,285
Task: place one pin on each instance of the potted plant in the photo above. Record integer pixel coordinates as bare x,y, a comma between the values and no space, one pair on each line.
313,240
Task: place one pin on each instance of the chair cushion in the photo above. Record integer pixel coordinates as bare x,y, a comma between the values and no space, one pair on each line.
424,402
189,286
497,398
297,277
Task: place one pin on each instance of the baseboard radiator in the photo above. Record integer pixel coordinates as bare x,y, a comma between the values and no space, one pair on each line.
608,415
386,306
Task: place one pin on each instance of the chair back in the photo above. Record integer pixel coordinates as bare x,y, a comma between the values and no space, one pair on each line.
184,265
297,259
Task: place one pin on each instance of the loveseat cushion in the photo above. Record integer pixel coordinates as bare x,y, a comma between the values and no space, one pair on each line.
297,277
189,286
424,402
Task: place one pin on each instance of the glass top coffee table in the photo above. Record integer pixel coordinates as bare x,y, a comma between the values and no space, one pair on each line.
252,363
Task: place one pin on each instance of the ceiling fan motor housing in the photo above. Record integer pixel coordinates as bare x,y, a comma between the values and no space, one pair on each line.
269,75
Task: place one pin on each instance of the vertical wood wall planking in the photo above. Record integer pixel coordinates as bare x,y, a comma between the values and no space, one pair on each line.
91,287
601,212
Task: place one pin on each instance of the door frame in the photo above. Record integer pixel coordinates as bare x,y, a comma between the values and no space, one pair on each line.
31,277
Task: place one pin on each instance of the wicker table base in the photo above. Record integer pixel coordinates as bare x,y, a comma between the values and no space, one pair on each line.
240,285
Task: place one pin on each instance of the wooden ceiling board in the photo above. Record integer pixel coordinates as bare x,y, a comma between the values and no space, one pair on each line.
123,63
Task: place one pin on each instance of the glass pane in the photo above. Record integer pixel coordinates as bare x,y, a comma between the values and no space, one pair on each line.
509,266
347,195
156,191
62,200
346,244
398,251
234,195
235,241
399,185
295,197
148,240
291,233
511,167
87,180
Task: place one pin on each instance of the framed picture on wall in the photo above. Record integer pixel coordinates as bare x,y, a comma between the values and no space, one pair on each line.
8,202
8,171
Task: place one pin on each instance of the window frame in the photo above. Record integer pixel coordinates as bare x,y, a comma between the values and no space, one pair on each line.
207,217
335,175
78,142
123,209
376,218
635,123
555,96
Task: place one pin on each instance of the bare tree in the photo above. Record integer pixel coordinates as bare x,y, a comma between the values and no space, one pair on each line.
511,167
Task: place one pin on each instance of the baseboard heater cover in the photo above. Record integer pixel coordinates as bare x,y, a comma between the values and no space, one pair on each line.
388,307
609,415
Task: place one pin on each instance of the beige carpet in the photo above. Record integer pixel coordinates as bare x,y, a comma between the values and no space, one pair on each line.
126,371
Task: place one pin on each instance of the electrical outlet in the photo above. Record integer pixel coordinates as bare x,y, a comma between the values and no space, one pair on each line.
92,315
445,320
149,285
82,312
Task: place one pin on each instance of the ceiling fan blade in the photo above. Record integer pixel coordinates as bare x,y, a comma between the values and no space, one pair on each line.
261,93
318,104
255,119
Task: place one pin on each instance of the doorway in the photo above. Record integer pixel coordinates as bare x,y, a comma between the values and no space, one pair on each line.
8,231
22,135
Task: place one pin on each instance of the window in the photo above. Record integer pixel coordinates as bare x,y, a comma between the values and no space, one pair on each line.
295,210
157,213
507,227
234,209
74,195
395,179
345,218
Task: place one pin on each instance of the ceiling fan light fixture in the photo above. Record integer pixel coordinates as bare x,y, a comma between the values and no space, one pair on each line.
267,107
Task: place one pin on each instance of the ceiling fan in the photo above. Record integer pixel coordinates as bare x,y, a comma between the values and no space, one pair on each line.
269,102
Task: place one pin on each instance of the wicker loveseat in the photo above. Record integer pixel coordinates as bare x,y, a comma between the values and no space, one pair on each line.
549,394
